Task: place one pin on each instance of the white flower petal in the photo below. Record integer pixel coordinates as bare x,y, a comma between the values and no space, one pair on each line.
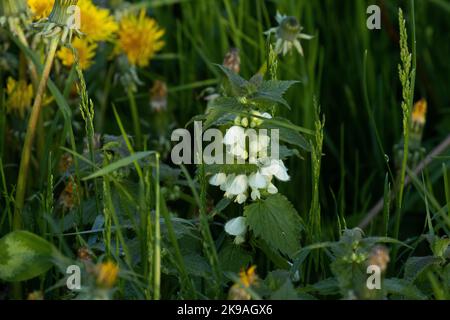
257,181
218,179
272,189
239,185
241,198
255,194
234,135
236,226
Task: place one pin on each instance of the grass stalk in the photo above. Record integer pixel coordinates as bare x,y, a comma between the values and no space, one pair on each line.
31,132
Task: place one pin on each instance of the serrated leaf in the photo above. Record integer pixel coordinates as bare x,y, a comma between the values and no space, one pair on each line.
272,91
287,134
238,84
403,288
416,265
24,255
233,258
221,110
275,221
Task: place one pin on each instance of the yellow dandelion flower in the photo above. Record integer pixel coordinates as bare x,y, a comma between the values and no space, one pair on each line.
19,95
139,38
247,278
85,50
107,274
41,8
96,23
419,112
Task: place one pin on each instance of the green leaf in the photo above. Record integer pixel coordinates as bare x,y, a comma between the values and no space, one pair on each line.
272,91
275,221
24,255
416,265
287,134
222,110
238,84
233,258
119,164
403,288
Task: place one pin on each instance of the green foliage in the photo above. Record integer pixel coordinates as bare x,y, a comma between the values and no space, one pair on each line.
24,255
275,221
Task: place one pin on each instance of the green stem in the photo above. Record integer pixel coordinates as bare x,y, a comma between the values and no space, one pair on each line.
157,250
31,132
135,116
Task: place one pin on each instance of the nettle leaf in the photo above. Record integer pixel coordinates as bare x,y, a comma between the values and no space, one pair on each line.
238,85
403,288
415,266
221,111
276,221
287,134
233,258
272,91
24,255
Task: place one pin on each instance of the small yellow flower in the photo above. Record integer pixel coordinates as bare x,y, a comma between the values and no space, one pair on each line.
247,278
41,8
97,24
107,274
85,50
419,112
19,95
139,38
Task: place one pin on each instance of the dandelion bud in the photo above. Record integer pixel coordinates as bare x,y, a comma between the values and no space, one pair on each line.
107,273
379,256
158,96
418,120
61,13
232,60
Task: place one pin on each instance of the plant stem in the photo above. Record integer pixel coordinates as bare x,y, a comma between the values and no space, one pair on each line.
135,116
157,251
31,132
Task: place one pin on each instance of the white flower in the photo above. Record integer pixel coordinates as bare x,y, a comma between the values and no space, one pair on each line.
257,181
266,115
272,189
255,194
229,180
241,198
275,168
238,186
236,227
218,179
234,135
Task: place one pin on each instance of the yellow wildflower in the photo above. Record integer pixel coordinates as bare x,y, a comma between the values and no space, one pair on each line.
19,95
139,38
41,8
107,274
96,23
419,112
247,278
85,50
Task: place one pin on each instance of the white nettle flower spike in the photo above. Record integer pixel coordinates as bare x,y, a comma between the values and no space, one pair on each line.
218,179
276,168
237,227
238,186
